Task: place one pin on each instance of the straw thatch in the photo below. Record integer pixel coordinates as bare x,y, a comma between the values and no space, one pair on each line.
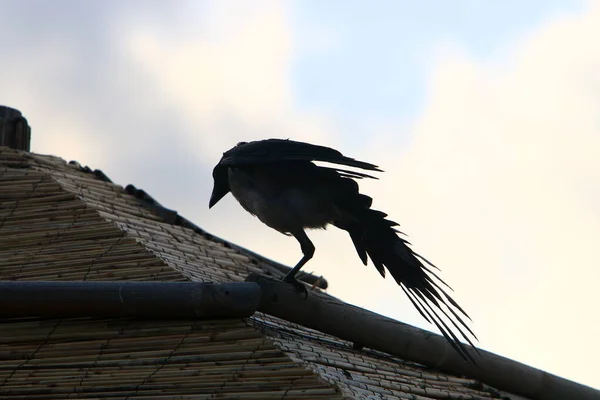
122,358
61,222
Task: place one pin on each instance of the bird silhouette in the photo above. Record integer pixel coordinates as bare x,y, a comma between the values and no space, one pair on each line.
277,181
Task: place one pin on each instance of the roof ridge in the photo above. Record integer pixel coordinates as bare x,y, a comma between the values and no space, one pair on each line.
112,209
40,219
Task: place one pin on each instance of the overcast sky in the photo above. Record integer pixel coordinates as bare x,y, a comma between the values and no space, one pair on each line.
484,115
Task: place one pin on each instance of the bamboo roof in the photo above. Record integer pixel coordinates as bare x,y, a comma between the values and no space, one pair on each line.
59,221
149,359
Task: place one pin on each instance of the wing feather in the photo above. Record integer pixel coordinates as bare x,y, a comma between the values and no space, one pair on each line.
277,150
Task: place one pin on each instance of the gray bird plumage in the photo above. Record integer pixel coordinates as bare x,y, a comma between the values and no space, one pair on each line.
277,181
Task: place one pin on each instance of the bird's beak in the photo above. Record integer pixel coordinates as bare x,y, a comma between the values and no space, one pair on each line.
216,196
221,185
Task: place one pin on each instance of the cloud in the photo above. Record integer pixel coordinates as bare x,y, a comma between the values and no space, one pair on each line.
501,181
152,93
150,90
228,84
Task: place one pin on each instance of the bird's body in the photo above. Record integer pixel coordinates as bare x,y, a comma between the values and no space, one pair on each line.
283,203
277,181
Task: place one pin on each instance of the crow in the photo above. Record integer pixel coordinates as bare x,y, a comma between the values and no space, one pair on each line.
277,181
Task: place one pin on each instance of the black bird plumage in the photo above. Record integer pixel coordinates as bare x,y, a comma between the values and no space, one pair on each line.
277,181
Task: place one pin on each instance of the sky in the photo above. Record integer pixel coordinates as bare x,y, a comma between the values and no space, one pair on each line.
483,115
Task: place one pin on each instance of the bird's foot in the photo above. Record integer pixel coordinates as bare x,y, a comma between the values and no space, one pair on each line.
297,284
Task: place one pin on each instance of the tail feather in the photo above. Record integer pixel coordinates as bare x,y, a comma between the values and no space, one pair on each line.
374,236
360,249
445,330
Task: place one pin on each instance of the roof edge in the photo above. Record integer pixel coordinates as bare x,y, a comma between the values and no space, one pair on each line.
168,300
174,218
368,329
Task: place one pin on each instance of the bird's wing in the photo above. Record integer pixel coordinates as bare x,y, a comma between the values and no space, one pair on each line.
278,150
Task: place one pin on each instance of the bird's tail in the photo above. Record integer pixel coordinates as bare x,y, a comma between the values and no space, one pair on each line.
376,237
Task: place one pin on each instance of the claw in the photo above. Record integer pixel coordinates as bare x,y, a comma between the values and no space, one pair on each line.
297,284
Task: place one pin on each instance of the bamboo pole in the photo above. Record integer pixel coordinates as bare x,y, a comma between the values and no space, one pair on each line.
138,299
364,328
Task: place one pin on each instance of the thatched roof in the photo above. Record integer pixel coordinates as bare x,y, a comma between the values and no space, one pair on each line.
149,359
62,222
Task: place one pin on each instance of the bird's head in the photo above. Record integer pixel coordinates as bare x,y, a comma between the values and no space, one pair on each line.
221,184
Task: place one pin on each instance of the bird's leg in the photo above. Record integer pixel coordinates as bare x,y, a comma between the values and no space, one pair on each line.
308,250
